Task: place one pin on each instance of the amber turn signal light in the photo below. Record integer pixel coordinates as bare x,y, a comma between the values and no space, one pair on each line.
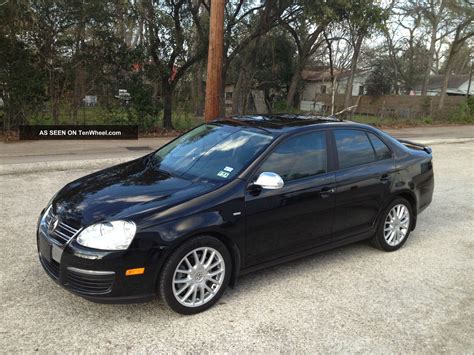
136,271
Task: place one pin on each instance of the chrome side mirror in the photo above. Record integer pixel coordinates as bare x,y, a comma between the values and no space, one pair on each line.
269,181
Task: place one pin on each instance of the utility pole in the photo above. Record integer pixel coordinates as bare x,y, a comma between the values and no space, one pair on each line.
214,60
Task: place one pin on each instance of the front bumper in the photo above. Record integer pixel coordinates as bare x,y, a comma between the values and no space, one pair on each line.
99,276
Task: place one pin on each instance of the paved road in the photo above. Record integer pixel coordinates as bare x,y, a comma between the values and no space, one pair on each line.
50,151
352,299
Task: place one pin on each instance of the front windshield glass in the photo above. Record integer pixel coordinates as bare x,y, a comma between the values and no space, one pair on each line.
211,152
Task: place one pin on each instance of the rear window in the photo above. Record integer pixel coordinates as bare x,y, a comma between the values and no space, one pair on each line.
353,148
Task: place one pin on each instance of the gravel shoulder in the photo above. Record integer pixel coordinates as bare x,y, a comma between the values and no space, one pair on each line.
351,299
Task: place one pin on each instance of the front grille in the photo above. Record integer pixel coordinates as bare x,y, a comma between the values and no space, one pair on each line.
63,232
51,267
90,283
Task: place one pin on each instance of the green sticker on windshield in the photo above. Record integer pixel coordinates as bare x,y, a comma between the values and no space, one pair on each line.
223,174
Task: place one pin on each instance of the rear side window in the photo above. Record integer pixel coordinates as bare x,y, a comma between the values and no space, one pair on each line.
298,157
353,148
381,150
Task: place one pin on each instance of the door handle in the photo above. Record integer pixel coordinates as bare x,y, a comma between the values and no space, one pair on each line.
385,178
327,191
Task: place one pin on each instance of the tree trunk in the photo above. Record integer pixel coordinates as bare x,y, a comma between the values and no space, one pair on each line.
444,88
197,90
167,92
52,95
78,69
350,79
393,59
222,95
455,46
244,83
429,65
294,84
331,72
237,99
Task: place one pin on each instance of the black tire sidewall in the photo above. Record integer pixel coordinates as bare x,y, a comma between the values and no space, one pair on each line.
167,273
380,228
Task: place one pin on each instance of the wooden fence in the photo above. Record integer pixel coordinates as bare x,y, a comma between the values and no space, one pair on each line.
388,106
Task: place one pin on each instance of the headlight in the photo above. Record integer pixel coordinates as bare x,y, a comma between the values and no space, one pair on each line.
116,235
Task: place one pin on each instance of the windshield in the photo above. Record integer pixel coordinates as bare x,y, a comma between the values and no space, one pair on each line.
211,152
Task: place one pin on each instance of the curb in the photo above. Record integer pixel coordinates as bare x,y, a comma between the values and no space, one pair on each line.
26,168
441,141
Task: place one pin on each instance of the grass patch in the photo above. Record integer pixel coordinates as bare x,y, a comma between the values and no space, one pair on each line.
97,115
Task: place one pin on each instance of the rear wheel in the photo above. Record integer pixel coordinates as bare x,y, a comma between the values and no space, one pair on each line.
394,226
196,275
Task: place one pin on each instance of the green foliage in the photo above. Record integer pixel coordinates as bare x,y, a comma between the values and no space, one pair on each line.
274,61
413,63
427,120
464,113
22,84
381,78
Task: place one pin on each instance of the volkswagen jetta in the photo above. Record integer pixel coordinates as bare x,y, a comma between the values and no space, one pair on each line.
227,198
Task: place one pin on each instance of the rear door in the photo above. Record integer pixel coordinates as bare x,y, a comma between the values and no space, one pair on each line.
299,215
365,170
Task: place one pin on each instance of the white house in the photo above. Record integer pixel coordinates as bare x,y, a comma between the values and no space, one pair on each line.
318,82
457,85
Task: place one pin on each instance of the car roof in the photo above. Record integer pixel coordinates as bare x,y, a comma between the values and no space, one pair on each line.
284,123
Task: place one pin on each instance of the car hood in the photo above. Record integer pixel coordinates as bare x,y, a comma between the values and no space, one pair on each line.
123,192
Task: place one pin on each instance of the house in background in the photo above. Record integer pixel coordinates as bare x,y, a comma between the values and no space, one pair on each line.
317,83
359,86
457,85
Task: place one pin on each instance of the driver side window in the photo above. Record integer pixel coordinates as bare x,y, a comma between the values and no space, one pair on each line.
298,157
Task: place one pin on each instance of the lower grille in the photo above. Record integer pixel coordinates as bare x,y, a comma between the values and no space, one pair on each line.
90,282
51,267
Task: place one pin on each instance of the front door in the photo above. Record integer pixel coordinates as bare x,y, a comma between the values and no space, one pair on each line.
299,215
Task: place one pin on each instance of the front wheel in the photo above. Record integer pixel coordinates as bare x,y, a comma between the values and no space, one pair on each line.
394,226
196,275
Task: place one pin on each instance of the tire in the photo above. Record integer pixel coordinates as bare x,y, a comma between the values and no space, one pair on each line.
197,279
389,222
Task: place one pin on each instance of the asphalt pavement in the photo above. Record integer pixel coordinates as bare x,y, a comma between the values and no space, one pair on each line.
419,299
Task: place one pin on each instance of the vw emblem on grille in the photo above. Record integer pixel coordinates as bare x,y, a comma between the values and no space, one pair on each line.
53,224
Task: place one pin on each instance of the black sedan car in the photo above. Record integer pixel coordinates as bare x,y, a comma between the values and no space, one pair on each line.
227,198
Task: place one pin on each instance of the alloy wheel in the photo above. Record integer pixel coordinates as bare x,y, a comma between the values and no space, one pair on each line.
396,225
198,277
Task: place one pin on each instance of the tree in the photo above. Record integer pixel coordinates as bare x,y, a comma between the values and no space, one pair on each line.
21,80
49,34
245,23
168,28
265,64
362,17
338,55
381,78
461,63
464,31
433,11
306,27
412,64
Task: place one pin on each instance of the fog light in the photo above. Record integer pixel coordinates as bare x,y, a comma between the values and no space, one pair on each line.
136,271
